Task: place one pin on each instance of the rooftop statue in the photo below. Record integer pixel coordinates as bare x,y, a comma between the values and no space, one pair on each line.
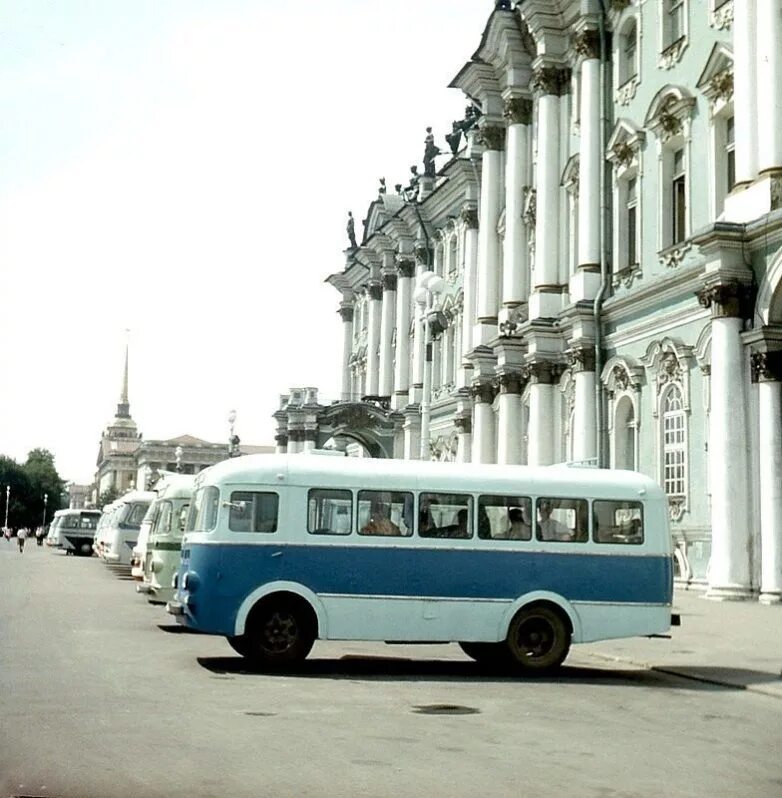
454,137
431,151
351,230
382,188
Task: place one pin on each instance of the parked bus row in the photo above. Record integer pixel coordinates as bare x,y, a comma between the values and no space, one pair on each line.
513,563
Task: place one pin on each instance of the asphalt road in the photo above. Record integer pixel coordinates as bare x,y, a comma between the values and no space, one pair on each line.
101,696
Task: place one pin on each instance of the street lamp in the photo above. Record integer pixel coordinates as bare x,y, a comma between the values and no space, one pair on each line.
233,438
45,501
7,500
178,452
428,288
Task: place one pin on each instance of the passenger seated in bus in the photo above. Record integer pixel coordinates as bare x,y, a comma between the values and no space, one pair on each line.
461,529
519,528
426,523
548,527
380,522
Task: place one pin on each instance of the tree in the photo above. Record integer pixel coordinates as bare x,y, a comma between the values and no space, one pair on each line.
107,497
12,476
44,481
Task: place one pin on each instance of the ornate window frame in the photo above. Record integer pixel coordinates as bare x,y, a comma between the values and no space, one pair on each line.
627,77
668,364
721,14
716,85
624,151
623,379
672,47
669,117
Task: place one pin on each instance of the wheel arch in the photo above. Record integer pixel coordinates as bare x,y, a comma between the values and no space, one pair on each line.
281,587
543,597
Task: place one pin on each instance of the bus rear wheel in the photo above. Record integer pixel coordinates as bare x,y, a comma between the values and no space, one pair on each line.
493,655
280,633
538,639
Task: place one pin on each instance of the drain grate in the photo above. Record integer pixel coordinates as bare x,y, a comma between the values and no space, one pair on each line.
445,709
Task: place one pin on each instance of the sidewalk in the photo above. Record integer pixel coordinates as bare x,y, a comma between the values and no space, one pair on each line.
737,644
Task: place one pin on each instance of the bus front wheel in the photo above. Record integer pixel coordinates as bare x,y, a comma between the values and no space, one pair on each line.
538,639
279,633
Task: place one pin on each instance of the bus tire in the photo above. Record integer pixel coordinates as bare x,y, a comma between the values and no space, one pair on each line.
280,632
490,654
238,644
538,638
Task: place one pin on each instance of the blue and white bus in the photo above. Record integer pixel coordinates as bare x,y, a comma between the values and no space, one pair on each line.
282,550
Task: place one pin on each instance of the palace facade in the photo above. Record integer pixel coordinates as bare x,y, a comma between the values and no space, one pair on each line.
606,235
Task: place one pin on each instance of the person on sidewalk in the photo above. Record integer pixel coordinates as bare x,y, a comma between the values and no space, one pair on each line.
21,537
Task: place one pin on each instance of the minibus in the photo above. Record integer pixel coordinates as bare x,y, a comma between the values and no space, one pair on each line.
139,553
165,537
52,537
123,527
514,563
76,530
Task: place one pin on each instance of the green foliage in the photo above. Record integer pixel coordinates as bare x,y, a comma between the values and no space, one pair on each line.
108,496
29,483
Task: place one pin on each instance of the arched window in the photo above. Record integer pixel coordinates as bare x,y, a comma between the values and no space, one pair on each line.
674,442
624,433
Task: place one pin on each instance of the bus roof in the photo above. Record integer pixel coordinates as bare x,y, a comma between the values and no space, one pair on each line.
383,474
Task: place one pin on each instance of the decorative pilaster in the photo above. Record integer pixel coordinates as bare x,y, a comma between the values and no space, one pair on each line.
484,445
515,281
745,93
463,423
346,313
469,219
541,375
374,297
509,431
729,569
769,76
582,366
406,267
388,281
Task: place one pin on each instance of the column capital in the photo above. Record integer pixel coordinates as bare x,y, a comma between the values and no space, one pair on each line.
550,80
766,366
483,392
375,291
518,110
388,281
469,215
729,299
587,43
492,137
510,382
581,358
542,372
346,311
422,253
281,439
463,423
406,265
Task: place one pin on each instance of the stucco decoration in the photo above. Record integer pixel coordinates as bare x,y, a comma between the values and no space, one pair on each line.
622,374
668,112
721,18
768,308
669,361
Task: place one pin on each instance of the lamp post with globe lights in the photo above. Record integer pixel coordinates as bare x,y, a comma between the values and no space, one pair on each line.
429,286
7,502
233,438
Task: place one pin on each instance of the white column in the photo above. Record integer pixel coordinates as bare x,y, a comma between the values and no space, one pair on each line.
484,449
411,435
729,569
464,438
584,424
386,386
375,294
470,219
426,394
769,82
515,280
546,300
509,430
416,386
586,281
540,437
745,90
488,238
770,450
346,312
403,304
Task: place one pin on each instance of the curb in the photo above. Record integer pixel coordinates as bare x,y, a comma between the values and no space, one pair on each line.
673,671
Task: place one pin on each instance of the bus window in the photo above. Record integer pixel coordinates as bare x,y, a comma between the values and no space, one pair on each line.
618,522
329,512
162,522
505,518
444,515
203,513
384,513
562,519
183,511
253,511
89,521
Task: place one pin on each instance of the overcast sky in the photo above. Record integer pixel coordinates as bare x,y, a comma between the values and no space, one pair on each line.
184,168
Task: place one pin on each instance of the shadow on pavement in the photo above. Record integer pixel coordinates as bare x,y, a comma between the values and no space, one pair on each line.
715,673
398,669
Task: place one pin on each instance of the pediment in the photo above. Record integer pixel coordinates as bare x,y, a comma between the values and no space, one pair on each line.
720,59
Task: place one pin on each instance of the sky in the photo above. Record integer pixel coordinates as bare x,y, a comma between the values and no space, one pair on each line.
183,169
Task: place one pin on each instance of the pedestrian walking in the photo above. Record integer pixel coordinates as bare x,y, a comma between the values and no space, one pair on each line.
21,537
7,534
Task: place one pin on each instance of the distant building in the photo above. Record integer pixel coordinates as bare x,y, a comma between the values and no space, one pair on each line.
79,496
125,461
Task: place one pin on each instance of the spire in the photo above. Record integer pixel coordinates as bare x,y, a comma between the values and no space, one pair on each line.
123,408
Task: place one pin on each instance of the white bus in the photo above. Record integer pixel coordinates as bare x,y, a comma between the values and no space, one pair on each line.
282,550
121,532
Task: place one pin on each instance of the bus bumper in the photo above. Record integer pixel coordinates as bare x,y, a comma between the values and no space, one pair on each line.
175,608
145,588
